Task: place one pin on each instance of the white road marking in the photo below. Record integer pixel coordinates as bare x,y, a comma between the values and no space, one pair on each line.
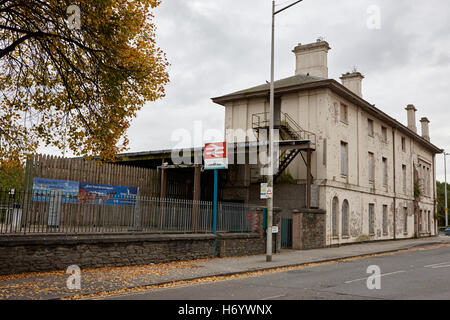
444,266
274,297
382,275
439,265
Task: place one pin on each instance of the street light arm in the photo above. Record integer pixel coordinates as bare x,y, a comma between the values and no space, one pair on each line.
287,7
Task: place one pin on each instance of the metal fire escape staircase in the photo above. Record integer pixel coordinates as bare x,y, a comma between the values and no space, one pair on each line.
289,130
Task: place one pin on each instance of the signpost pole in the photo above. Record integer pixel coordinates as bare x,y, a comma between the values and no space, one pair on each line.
215,211
215,156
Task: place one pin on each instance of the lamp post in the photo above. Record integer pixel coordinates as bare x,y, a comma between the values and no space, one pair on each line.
445,188
271,128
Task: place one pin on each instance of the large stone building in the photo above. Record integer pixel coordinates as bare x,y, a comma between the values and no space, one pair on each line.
373,176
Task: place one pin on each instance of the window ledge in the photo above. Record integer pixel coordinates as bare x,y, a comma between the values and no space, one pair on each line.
345,237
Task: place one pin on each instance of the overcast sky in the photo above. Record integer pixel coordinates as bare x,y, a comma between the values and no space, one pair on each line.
220,46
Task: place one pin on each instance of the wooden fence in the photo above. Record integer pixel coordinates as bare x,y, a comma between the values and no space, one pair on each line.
78,169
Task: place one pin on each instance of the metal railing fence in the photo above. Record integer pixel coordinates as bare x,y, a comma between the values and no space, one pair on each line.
59,212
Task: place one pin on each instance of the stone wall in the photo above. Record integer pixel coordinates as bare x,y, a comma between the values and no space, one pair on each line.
232,245
21,254
308,229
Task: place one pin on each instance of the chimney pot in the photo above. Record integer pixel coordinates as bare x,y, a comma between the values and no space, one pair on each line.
312,58
425,128
411,109
353,82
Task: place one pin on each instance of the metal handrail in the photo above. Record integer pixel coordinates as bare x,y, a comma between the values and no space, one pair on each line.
287,121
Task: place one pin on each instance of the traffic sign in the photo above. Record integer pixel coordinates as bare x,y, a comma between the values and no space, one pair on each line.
215,156
266,191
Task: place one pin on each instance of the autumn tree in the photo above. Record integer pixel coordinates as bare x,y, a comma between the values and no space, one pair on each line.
75,78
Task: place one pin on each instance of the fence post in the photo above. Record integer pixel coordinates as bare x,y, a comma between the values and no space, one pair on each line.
28,190
197,197
137,211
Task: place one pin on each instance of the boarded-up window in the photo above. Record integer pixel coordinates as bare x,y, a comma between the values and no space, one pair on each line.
371,219
423,182
370,127
334,217
345,218
421,225
385,172
344,158
384,134
404,178
429,221
405,219
371,167
385,219
344,113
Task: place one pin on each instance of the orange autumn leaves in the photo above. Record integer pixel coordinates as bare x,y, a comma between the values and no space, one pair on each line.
76,89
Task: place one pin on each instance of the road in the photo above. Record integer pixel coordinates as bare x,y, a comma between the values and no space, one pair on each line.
422,274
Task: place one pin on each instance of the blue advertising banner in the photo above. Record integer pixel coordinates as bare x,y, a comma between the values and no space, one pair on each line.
82,192
43,187
107,194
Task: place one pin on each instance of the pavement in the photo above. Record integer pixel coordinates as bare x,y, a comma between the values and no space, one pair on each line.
409,275
104,281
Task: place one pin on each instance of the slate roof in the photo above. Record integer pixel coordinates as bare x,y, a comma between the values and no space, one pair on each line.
283,83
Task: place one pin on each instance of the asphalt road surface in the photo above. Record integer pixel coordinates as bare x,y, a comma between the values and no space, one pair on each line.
422,274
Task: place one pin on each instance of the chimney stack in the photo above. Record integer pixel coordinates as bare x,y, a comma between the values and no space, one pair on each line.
353,82
312,59
425,128
411,117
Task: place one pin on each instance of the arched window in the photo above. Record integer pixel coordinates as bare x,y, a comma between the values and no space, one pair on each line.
345,218
334,217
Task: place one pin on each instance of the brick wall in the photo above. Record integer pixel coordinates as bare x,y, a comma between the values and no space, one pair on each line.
21,254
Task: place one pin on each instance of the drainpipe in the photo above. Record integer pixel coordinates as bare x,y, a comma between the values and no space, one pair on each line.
395,182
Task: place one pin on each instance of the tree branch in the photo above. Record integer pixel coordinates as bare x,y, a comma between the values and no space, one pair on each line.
12,46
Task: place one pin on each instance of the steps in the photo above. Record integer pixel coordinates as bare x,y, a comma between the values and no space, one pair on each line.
289,130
